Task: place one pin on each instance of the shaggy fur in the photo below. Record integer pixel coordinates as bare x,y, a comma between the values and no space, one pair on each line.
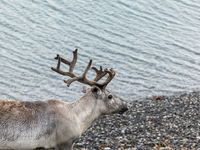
11,105
52,123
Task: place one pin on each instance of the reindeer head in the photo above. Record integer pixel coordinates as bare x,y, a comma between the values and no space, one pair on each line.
107,102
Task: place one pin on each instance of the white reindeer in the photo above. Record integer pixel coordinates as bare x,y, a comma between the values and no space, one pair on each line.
55,124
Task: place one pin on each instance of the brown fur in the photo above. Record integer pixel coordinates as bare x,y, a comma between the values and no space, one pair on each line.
9,105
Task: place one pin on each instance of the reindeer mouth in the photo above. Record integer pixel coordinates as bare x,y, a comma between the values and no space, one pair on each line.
123,110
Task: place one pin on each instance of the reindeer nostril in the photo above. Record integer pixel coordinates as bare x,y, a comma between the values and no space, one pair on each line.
124,109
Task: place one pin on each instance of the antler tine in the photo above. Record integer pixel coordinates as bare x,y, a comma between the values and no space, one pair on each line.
81,78
73,62
111,73
100,73
71,65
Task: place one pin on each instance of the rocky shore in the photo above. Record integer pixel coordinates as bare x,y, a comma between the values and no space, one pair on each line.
171,122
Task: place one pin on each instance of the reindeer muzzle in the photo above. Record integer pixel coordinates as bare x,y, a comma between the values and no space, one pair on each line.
123,110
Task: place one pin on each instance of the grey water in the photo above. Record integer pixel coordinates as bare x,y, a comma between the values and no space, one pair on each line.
154,46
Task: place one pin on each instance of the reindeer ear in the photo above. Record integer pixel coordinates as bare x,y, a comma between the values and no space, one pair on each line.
85,89
96,91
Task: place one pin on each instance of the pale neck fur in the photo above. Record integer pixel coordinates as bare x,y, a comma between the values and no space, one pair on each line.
86,109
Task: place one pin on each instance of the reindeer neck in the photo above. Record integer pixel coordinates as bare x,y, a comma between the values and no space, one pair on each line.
86,109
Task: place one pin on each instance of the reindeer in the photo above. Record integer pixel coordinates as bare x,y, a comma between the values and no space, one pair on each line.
56,124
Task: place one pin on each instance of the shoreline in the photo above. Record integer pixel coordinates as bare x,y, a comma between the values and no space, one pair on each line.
169,123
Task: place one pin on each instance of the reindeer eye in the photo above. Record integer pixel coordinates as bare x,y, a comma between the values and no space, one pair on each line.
109,96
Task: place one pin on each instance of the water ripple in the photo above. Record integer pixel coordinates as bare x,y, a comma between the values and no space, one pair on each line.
153,46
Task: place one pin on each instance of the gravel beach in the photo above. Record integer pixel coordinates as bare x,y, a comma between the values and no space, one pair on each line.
171,122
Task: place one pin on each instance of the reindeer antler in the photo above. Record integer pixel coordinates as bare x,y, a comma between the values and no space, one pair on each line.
100,73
